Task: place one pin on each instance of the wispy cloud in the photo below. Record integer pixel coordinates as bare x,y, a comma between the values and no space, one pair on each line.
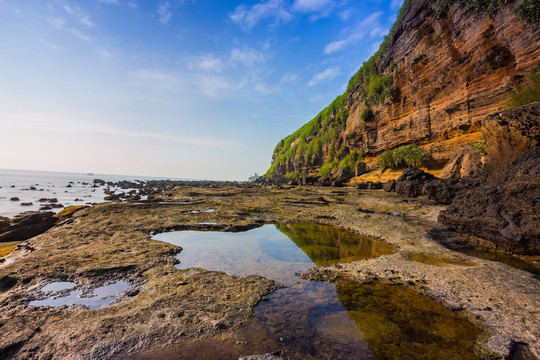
154,78
325,75
106,54
109,1
133,5
53,123
79,16
58,22
164,12
289,78
249,16
312,5
214,86
80,35
357,33
396,4
208,63
247,56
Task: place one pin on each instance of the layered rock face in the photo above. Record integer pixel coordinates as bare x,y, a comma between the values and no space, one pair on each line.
450,70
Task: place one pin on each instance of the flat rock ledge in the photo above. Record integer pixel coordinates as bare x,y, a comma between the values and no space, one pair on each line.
112,241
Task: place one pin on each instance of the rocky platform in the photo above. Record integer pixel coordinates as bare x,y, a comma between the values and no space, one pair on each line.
112,241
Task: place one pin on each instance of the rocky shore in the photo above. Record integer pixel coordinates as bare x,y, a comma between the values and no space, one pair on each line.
112,241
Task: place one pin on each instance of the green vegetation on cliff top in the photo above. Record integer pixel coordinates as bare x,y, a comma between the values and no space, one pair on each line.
318,144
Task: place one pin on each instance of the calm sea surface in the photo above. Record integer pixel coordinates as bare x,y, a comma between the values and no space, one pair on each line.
17,183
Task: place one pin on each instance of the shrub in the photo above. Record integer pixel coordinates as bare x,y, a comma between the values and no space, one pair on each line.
327,167
366,114
292,175
526,93
479,147
386,160
528,9
409,155
350,161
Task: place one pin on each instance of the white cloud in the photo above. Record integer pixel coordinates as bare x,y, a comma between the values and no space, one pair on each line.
335,46
247,57
207,63
57,22
214,86
154,78
262,88
312,5
325,75
80,35
364,28
105,53
79,16
109,1
396,4
164,12
133,5
289,78
249,16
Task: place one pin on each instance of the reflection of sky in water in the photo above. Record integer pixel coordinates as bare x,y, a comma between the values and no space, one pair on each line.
58,285
263,251
99,297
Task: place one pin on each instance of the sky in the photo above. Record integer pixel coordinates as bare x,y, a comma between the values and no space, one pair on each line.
200,89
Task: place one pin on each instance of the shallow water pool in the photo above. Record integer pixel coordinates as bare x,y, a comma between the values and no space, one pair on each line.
317,320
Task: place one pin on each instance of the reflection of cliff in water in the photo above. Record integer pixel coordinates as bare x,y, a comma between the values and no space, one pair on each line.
399,323
327,245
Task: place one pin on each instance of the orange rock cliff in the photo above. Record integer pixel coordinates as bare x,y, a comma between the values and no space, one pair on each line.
440,71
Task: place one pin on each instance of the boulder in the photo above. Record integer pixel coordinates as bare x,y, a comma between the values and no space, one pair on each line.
48,200
467,162
504,210
389,186
412,181
15,199
26,204
24,227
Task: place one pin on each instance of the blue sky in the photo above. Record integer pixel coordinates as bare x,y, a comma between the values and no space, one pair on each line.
178,88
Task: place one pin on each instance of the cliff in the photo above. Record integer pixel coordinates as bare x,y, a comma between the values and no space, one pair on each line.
440,71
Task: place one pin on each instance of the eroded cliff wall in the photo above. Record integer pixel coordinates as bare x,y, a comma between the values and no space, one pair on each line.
448,69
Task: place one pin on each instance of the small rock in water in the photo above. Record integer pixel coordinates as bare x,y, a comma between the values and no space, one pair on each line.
27,204
15,199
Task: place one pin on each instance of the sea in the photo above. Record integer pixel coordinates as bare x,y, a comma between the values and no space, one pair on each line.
68,188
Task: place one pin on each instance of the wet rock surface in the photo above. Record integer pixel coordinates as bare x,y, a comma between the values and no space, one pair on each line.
112,241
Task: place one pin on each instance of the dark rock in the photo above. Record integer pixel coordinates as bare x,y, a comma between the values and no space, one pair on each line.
46,207
375,185
15,199
390,186
439,190
49,200
32,188
361,186
504,210
467,162
361,168
310,180
68,185
27,204
412,181
27,226
509,134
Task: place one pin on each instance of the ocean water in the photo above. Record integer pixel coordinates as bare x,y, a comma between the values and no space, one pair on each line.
48,184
